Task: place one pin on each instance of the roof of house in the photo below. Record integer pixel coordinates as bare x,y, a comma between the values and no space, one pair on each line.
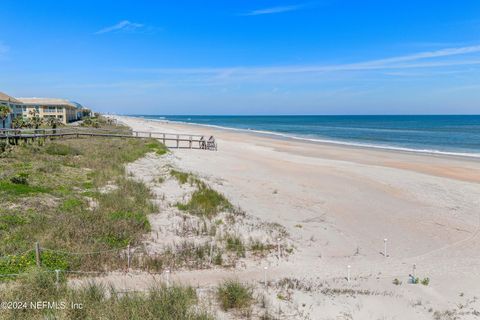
6,97
47,101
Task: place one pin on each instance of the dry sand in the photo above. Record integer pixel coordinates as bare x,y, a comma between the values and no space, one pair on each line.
338,204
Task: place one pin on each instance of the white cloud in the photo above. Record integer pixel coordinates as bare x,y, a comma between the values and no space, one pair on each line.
272,10
420,64
412,61
431,54
124,25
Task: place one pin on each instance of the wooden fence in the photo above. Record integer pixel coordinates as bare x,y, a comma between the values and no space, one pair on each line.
171,140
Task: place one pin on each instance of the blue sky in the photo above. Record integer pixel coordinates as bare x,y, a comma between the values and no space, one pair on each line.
246,57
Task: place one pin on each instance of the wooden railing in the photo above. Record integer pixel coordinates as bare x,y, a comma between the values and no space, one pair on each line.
171,140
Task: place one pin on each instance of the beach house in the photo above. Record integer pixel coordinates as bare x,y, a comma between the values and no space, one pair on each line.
64,110
13,104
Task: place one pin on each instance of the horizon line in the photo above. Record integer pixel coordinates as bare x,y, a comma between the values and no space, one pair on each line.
300,115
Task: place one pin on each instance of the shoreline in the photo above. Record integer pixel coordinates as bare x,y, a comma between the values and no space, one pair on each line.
457,167
285,136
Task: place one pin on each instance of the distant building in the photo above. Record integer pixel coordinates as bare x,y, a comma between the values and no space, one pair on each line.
64,110
13,104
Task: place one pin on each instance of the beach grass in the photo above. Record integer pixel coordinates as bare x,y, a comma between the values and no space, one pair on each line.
206,202
98,301
235,244
232,294
182,177
53,192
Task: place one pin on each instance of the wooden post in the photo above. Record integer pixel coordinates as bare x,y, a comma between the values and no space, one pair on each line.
57,275
190,142
149,134
167,280
128,257
37,253
178,142
385,247
278,247
265,276
164,138
211,250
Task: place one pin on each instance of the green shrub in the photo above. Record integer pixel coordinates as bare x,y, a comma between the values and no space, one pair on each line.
19,189
21,178
21,263
425,281
206,202
234,295
90,122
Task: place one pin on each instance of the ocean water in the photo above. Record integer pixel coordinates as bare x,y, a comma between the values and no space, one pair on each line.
457,134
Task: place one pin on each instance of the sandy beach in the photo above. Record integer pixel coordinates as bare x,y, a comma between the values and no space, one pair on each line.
338,205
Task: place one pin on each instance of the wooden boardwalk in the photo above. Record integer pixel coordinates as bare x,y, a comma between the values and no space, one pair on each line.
171,140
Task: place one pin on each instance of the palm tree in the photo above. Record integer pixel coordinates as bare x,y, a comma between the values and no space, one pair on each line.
18,123
54,122
35,121
4,113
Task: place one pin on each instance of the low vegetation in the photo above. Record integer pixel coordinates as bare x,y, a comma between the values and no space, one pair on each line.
182,177
206,202
233,294
95,301
51,192
235,244
185,254
57,149
259,248
425,281
99,122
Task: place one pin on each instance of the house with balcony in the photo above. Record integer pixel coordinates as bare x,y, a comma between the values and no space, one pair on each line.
64,110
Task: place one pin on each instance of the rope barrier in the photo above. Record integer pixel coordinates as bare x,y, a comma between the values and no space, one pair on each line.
87,252
210,248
